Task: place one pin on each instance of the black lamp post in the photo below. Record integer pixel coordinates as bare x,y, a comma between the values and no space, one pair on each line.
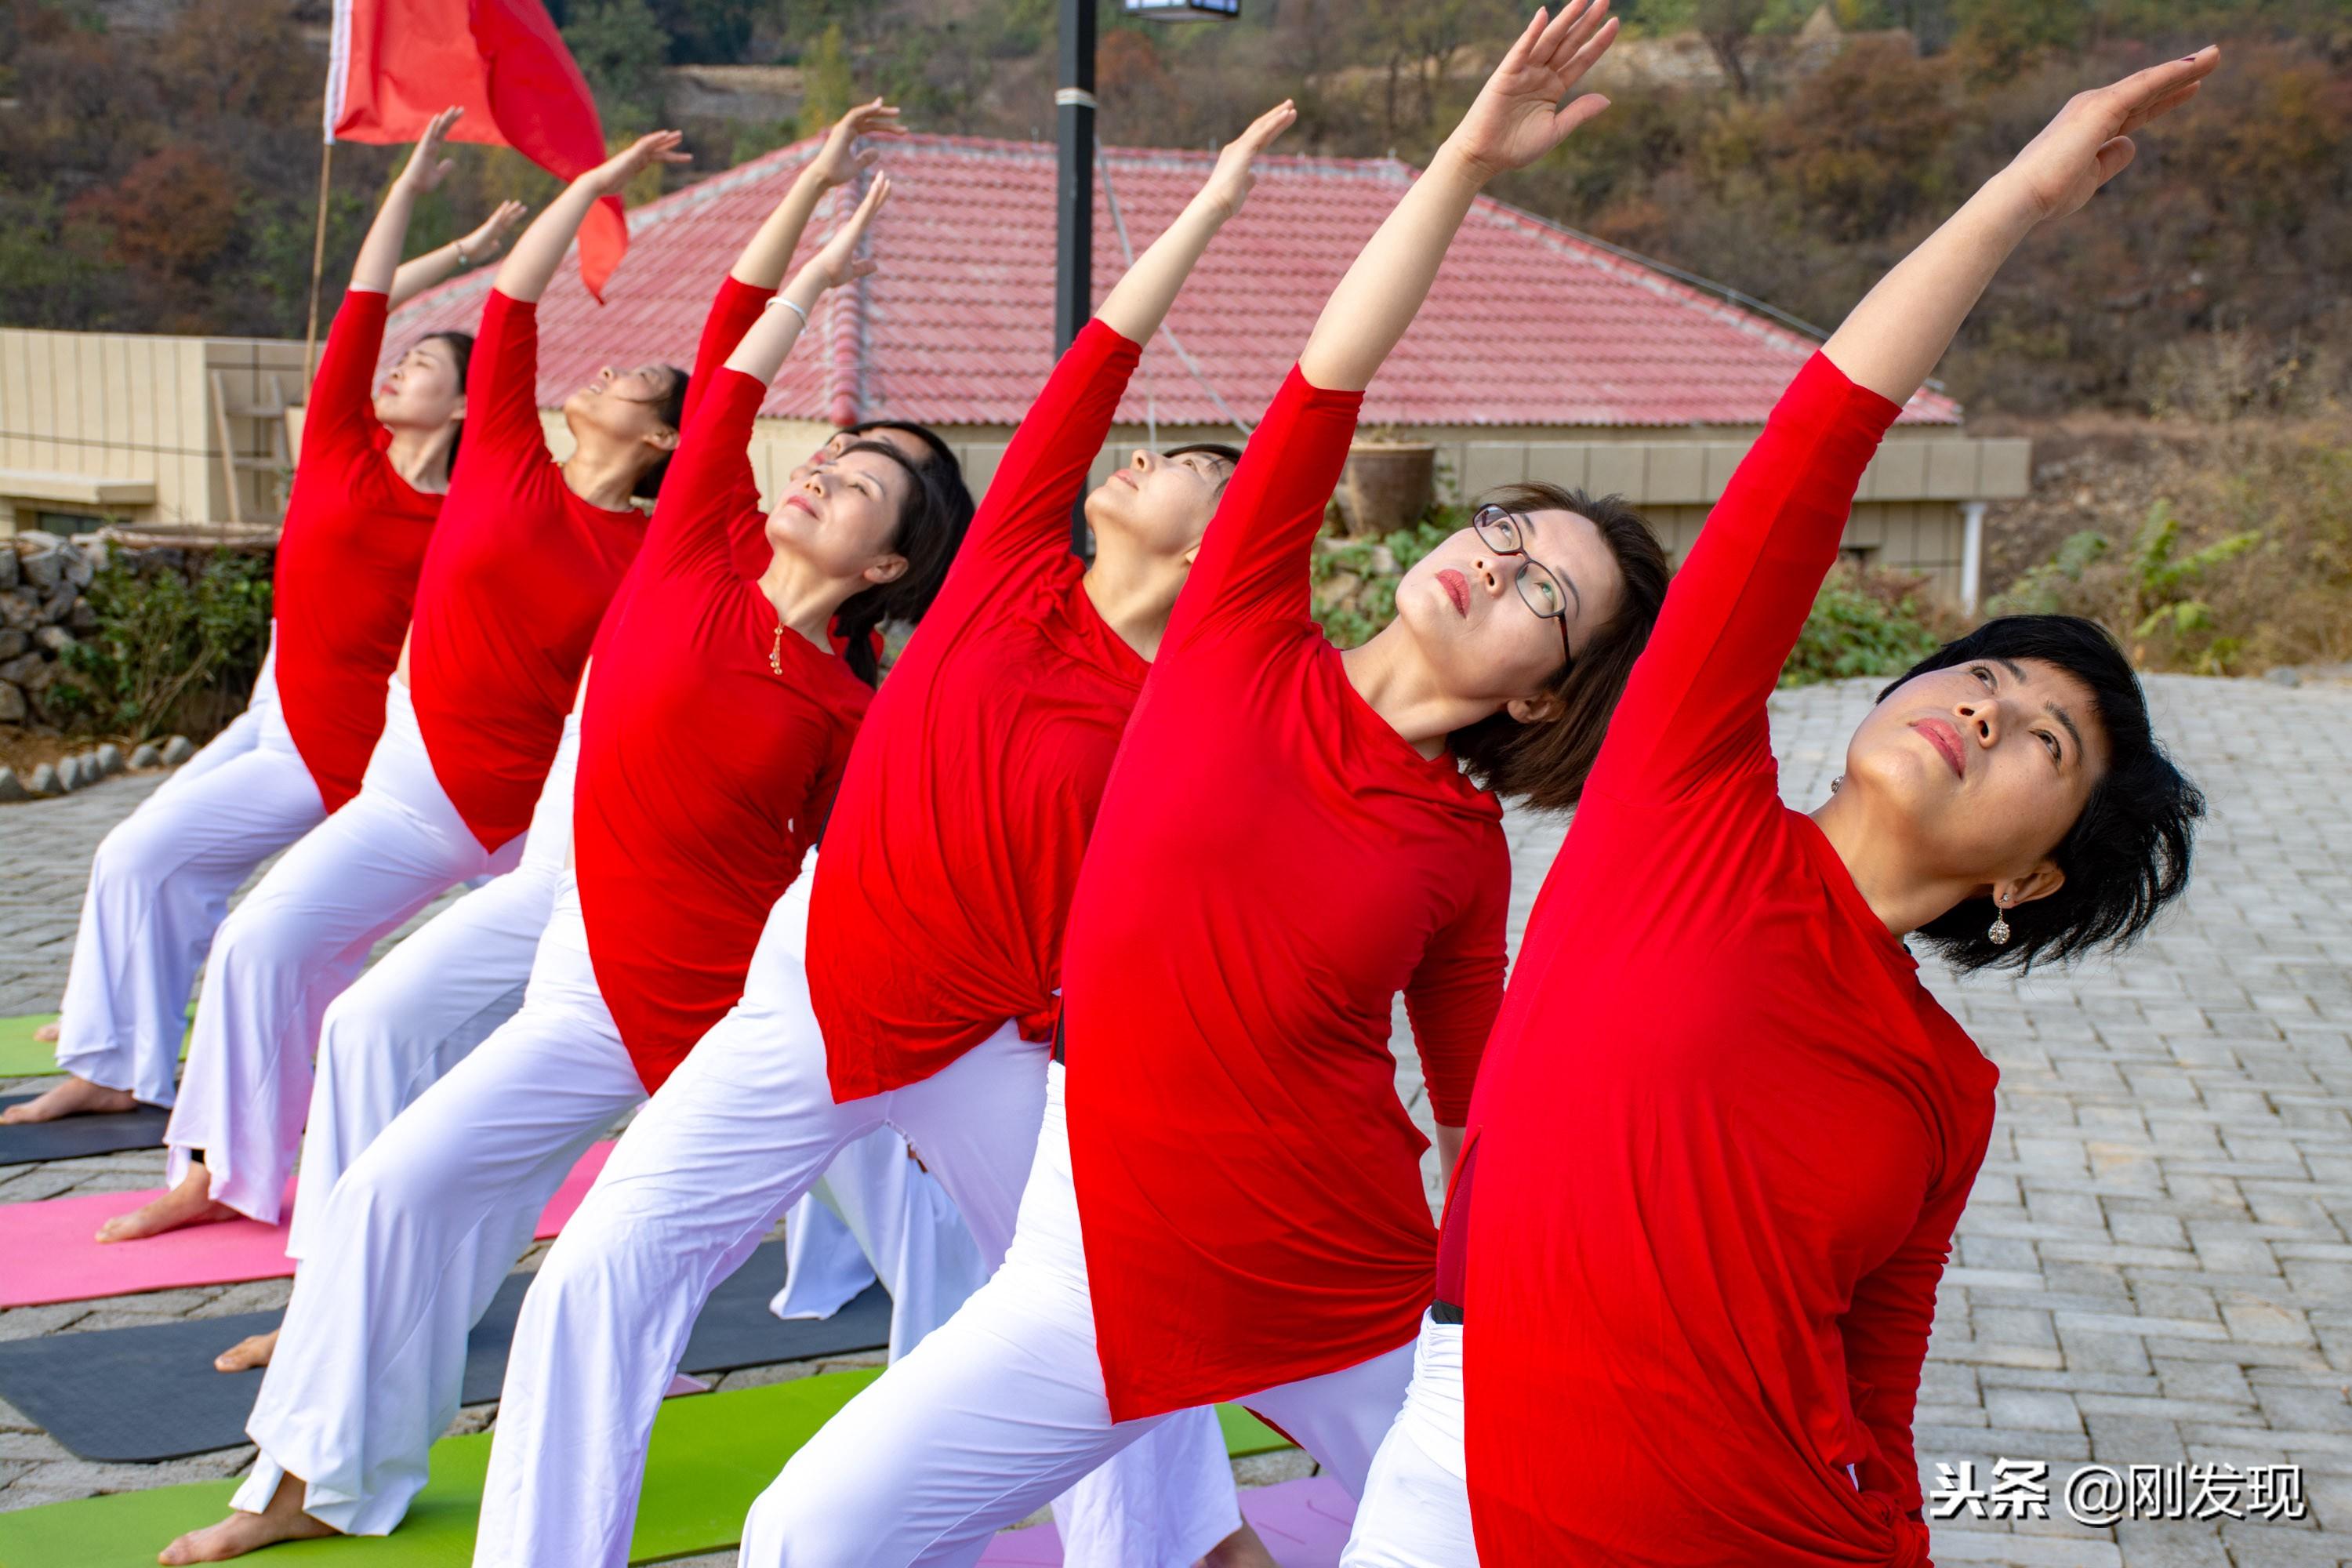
1074,135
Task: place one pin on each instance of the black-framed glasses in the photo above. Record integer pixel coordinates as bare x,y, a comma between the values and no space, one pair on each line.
1504,532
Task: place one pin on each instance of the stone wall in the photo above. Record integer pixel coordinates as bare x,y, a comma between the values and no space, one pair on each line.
43,608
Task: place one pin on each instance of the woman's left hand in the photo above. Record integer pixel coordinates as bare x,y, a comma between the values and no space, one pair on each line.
485,241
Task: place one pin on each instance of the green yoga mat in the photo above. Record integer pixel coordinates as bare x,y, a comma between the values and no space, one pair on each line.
21,1055
712,1455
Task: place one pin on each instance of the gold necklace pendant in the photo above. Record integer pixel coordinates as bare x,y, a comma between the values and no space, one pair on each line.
776,650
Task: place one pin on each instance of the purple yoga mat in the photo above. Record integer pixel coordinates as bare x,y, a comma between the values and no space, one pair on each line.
1304,1523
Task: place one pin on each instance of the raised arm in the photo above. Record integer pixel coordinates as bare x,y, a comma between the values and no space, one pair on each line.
1892,340
764,349
379,259
419,273
1516,119
710,487
525,273
1693,710
764,261
1139,301
1042,473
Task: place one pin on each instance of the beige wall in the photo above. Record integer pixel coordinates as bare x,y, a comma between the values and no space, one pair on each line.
132,407
144,410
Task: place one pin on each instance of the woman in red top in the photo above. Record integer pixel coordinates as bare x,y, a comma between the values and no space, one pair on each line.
932,938
716,722
525,558
1286,840
367,489
445,987
1724,1134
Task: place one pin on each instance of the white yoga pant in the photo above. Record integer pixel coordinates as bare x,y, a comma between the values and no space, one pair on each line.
159,887
1005,1406
293,945
416,1236
1415,1511
739,1131
430,1001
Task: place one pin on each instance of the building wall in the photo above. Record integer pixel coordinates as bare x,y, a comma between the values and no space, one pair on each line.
155,410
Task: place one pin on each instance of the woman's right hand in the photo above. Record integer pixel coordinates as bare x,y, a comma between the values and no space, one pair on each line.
837,261
838,161
1230,183
1517,117
425,168
612,175
2090,141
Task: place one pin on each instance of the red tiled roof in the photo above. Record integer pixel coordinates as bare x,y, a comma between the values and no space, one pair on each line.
1529,323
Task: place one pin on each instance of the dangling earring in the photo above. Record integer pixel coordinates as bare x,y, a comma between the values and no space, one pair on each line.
1835,783
1997,932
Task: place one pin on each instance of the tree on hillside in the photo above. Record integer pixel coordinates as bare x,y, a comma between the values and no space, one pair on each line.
619,46
827,87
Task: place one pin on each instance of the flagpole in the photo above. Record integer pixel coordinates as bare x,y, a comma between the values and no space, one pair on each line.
318,265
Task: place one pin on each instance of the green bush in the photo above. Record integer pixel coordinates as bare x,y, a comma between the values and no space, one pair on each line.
1862,623
174,650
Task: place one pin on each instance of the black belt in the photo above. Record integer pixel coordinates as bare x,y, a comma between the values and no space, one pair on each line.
1445,1312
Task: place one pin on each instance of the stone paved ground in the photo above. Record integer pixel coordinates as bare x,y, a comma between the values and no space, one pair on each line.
2156,1267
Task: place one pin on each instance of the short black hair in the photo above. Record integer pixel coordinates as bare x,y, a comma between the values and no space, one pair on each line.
670,407
945,469
2127,855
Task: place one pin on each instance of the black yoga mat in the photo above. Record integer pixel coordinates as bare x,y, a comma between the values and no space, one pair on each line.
72,1137
139,1396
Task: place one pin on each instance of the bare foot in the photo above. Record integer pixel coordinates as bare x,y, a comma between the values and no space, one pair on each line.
47,1033
254,1350
75,1097
239,1534
1242,1549
190,1203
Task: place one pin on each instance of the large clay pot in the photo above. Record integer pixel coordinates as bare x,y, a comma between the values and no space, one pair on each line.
1388,485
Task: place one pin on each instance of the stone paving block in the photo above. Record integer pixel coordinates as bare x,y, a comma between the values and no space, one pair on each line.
2036,1410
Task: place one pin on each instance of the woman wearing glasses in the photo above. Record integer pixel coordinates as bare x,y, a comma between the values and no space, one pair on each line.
1233,1208
1724,1134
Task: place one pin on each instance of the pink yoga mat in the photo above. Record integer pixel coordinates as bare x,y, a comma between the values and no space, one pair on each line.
52,1258
1304,1523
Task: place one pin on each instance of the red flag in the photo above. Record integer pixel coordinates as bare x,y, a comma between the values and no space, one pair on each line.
397,63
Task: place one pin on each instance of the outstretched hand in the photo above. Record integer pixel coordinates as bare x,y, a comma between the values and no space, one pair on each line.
837,262
839,161
2090,141
426,168
484,242
1517,116
657,147
1230,183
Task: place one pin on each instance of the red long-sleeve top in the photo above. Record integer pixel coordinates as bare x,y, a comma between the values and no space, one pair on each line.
704,775
348,559
1723,1134
519,575
1271,865
945,883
